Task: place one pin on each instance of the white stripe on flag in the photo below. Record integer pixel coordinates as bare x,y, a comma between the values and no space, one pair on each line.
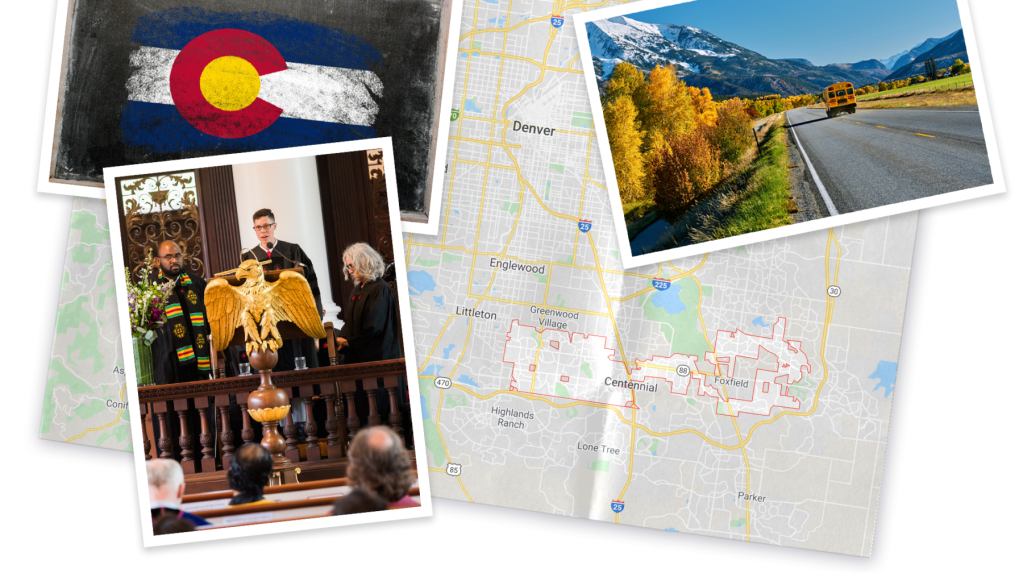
303,91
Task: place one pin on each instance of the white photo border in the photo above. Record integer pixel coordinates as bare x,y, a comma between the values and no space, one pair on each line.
54,96
110,176
630,261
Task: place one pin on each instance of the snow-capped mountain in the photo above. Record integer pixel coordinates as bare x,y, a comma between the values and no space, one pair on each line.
705,60
946,52
906,56
646,45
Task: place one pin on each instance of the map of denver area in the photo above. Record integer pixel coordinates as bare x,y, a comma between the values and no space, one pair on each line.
743,394
84,401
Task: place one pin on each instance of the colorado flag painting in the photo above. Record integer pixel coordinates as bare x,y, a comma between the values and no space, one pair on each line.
202,80
141,81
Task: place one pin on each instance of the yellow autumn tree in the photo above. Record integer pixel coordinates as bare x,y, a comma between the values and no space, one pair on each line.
664,105
703,105
624,80
625,137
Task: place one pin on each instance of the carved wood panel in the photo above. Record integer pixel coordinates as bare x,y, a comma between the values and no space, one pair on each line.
157,208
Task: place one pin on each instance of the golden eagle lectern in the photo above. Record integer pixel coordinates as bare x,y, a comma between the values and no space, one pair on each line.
257,306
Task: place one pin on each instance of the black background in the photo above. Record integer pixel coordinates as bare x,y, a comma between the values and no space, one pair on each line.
406,32
954,500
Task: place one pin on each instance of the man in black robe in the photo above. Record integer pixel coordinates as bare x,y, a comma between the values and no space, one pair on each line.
283,255
181,351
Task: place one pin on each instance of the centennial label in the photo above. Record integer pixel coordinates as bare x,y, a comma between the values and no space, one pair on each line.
630,385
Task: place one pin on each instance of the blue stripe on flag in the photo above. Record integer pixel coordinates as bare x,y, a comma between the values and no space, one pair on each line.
298,41
161,129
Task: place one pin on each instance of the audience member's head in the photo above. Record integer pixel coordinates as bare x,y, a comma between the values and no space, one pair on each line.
170,522
378,462
359,501
166,482
249,473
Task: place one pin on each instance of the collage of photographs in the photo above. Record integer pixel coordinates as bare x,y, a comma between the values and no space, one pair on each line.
637,263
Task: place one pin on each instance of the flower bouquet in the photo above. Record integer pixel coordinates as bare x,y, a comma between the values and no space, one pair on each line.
146,312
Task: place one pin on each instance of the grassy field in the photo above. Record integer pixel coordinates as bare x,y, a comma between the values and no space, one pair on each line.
928,98
944,83
754,199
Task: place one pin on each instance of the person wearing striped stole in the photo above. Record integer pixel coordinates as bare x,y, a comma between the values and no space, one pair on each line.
181,351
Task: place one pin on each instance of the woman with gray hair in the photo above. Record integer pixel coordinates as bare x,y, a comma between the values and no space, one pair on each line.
371,311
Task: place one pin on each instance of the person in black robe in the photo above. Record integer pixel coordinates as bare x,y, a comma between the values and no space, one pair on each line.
181,350
370,331
283,255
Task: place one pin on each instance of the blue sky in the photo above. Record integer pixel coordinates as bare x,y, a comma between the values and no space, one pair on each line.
849,32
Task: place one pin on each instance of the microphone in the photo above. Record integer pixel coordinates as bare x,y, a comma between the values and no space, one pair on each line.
270,246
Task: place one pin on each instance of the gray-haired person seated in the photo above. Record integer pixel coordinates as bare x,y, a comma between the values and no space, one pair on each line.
378,462
166,490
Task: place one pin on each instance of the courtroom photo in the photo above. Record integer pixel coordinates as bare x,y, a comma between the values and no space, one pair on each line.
264,319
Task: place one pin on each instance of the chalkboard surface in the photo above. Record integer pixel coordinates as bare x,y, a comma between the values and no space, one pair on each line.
155,80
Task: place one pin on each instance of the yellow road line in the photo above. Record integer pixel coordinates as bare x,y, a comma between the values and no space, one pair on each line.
924,135
116,420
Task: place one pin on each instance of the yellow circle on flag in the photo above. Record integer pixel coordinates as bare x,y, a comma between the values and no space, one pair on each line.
230,83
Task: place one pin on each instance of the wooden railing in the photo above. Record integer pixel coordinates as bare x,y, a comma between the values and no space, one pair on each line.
194,423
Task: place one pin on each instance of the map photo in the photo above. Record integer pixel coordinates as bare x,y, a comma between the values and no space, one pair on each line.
84,401
743,394
723,128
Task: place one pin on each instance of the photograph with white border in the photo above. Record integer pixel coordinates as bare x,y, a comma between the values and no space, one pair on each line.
724,124
254,400
224,78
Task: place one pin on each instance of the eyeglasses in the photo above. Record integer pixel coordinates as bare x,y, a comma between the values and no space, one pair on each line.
172,258
350,266
264,227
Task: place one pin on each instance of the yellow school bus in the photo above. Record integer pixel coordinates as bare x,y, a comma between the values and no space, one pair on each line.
839,98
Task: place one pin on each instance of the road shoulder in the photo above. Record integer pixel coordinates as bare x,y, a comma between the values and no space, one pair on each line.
802,187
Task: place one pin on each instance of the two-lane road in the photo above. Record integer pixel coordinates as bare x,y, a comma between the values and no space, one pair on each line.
879,157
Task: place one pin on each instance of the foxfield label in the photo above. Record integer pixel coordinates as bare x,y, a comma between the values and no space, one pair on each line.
737,382
517,266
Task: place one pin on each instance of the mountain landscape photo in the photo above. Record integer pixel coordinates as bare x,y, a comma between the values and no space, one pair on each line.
705,60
